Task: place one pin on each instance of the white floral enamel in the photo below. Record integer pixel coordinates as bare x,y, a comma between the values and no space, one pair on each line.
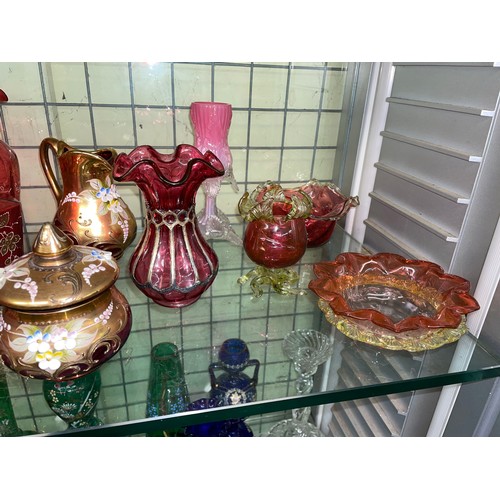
108,201
52,345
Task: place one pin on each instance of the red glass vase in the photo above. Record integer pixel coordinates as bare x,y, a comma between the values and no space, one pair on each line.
172,264
10,176
277,243
275,236
11,217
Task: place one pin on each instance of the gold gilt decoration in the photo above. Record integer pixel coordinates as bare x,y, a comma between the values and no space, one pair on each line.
412,341
62,317
280,280
78,273
261,203
90,209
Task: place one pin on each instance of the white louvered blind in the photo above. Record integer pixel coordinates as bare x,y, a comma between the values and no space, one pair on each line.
436,189
437,128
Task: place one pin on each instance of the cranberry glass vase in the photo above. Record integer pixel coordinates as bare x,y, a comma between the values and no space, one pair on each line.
10,176
211,122
172,264
11,217
275,237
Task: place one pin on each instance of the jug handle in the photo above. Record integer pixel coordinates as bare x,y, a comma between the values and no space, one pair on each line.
57,147
211,371
218,366
256,364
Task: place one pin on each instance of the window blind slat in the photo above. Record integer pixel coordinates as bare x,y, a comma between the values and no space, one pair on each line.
449,172
468,86
442,106
438,148
459,64
424,184
416,218
452,130
391,243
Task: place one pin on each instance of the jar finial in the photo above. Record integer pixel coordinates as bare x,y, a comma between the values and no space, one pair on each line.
51,241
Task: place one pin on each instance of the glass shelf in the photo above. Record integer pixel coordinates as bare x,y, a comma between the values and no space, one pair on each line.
229,310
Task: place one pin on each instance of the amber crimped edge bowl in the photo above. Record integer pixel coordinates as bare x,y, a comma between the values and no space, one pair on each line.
419,340
393,302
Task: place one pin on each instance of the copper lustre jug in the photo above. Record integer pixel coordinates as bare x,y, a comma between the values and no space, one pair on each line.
90,210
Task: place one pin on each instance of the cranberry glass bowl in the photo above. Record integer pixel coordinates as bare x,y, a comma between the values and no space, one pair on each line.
393,302
329,206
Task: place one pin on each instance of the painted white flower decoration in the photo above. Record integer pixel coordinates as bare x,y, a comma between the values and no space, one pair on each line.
49,360
11,273
63,339
53,345
97,258
108,200
38,342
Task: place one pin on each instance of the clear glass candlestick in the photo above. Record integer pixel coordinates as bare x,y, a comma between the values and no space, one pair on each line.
308,349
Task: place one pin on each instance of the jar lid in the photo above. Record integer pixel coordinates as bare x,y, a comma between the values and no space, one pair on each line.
56,274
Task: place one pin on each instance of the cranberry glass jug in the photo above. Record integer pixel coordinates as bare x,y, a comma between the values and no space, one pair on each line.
172,264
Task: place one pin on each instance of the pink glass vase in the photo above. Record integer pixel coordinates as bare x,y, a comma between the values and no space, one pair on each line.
11,216
211,122
172,264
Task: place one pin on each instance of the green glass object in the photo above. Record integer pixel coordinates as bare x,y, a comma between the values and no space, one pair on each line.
74,401
8,424
167,389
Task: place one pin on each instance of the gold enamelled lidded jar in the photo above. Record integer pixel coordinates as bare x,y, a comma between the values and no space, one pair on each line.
62,315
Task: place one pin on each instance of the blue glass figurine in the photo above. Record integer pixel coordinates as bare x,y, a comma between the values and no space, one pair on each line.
234,386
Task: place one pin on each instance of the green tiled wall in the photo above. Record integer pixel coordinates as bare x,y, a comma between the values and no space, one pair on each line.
285,122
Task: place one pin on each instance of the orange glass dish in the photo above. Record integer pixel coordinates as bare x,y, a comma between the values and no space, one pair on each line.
393,302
